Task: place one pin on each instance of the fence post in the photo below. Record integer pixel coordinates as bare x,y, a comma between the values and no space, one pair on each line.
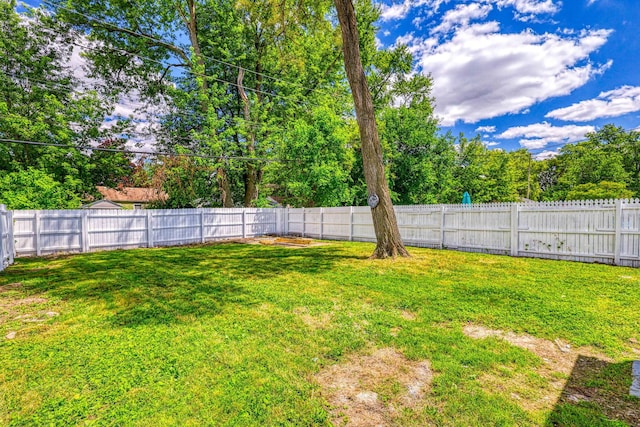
12,243
202,239
321,221
304,221
617,240
442,212
4,216
149,228
285,221
244,223
351,223
36,218
84,230
515,241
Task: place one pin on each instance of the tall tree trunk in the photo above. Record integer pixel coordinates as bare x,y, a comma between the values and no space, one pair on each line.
192,26
252,174
389,242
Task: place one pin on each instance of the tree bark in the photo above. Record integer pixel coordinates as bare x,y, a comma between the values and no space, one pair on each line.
192,26
252,174
389,242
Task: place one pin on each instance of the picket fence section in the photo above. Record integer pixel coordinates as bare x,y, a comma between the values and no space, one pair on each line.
605,231
6,238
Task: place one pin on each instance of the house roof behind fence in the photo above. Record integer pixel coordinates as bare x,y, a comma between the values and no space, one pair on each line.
132,194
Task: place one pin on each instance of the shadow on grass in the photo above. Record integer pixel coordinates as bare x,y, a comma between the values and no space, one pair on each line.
597,394
166,285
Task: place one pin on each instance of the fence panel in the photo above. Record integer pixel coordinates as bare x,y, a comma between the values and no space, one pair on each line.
116,229
629,245
485,228
420,225
581,231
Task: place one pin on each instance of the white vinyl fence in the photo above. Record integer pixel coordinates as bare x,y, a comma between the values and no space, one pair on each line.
47,232
605,231
6,238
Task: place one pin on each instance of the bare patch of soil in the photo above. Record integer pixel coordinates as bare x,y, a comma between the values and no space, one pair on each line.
595,381
374,390
322,321
559,362
293,242
10,287
408,315
24,301
27,310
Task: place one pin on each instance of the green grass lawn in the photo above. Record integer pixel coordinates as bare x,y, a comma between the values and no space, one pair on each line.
235,334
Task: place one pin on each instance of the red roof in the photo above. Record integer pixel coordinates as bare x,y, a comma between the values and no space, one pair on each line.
132,194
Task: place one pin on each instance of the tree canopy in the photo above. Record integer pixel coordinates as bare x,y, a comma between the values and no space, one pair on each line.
257,91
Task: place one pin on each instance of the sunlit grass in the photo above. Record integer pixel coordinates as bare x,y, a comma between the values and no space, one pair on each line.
234,334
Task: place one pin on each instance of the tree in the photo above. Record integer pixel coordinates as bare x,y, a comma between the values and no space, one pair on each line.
602,190
389,242
39,102
32,188
321,162
231,72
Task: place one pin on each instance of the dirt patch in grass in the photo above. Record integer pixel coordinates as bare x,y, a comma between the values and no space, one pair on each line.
287,241
24,301
408,315
602,387
542,390
558,355
376,389
10,287
29,309
321,321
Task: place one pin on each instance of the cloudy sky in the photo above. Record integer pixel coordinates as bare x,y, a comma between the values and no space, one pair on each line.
524,73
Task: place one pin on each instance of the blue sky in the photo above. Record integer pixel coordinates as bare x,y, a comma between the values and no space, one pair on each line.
523,73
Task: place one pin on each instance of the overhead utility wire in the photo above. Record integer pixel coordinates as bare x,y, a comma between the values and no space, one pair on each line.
155,153
220,61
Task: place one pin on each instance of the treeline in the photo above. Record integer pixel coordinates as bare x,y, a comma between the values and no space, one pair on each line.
251,98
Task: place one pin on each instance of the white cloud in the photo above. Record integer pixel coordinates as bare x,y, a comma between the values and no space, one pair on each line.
488,129
539,135
480,73
614,103
546,154
395,11
401,10
527,10
461,15
489,144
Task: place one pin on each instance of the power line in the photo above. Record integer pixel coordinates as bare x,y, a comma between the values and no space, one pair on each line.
161,42
156,153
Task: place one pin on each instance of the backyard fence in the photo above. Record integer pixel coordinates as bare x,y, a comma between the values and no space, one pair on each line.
6,238
606,231
47,232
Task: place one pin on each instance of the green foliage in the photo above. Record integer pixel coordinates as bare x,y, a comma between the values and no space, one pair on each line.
34,189
488,175
420,163
236,333
609,155
186,180
321,161
602,190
